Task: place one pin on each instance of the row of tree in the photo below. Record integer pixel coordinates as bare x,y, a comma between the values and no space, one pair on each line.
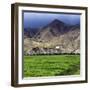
52,54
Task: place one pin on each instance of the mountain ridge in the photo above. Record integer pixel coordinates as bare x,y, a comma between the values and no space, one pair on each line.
54,34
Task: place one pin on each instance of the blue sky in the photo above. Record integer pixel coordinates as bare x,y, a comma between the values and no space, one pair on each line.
37,20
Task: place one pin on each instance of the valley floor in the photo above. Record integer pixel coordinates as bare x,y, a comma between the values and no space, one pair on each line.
51,65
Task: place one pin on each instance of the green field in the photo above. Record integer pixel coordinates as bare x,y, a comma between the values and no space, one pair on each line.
51,65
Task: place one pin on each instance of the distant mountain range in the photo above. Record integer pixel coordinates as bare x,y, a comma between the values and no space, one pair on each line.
55,34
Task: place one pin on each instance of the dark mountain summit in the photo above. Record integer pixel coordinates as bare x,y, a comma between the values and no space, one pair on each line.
30,32
53,29
55,23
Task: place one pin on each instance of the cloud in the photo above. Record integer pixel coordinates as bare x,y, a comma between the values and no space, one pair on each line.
35,19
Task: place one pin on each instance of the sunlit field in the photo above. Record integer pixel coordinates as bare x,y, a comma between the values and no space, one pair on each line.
51,65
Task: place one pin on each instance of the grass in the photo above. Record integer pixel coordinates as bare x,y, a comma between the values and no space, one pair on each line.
51,65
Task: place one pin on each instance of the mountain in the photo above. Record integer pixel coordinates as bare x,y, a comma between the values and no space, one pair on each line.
30,32
54,29
55,37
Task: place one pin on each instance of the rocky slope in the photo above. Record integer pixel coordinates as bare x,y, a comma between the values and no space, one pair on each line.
56,37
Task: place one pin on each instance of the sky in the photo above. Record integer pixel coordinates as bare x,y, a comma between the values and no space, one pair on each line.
37,20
